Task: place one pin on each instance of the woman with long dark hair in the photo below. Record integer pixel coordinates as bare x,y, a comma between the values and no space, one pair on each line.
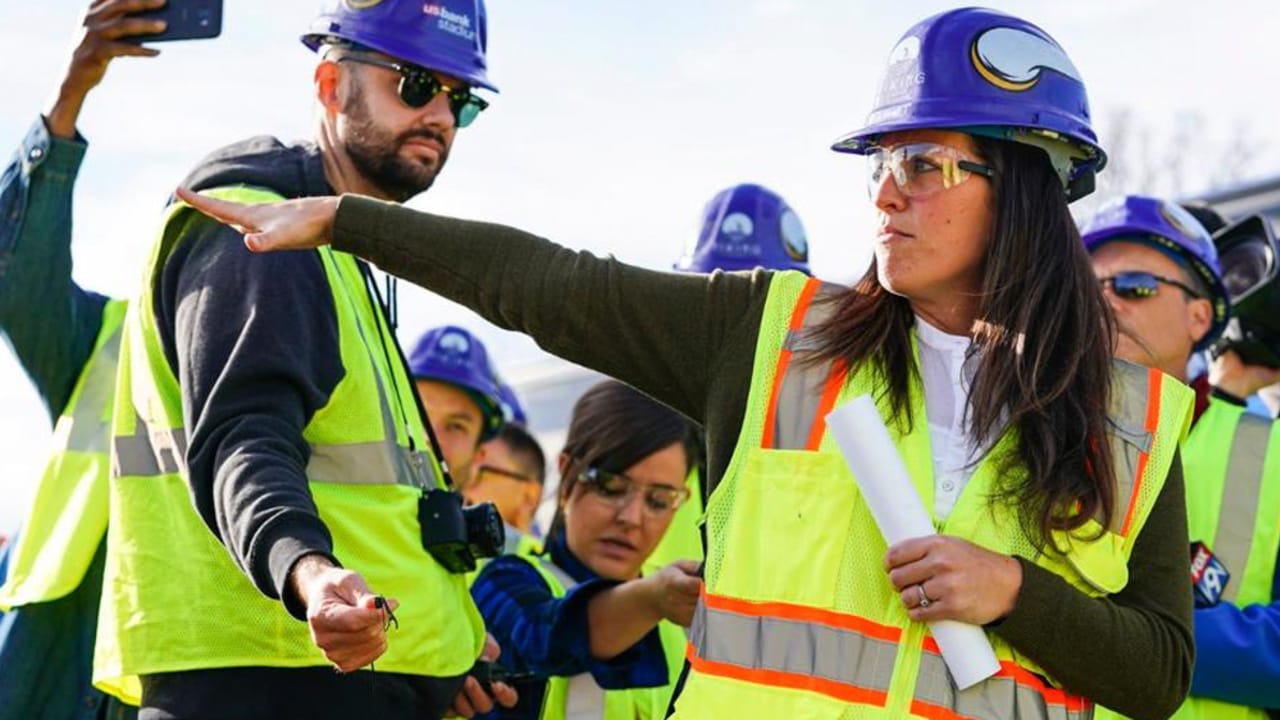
1050,471
590,636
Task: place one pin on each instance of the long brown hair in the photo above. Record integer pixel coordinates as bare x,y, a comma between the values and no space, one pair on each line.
1042,338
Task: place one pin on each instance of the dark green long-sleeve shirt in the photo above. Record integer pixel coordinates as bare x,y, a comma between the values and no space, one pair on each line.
689,341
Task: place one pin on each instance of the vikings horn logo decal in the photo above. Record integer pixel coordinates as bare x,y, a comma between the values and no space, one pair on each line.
1180,219
1014,59
455,344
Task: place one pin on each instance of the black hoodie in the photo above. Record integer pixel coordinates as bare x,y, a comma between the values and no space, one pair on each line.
253,341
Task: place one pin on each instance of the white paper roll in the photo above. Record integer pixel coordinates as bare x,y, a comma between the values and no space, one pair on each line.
882,477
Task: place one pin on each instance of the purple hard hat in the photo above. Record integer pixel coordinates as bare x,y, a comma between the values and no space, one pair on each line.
745,227
1171,229
447,36
987,73
452,355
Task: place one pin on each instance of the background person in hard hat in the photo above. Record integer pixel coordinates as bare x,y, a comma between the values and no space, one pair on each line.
459,388
981,330
510,472
271,468
66,339
743,227
1162,276
596,639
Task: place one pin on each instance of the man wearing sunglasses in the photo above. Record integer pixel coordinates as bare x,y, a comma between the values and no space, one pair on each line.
1160,272
267,436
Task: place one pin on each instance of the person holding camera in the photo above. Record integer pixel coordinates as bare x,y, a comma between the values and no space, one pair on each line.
1049,467
278,506
1162,274
68,347
584,633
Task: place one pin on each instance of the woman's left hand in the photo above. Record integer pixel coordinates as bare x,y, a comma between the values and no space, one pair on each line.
945,578
297,224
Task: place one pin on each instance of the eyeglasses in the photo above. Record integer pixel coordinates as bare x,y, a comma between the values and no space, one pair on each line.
519,477
418,85
921,169
617,490
1139,285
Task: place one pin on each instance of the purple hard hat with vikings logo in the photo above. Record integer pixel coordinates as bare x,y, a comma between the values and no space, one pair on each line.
1172,230
450,354
745,227
987,73
447,36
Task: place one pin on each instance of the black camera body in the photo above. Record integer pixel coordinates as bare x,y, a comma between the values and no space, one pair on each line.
457,536
1250,259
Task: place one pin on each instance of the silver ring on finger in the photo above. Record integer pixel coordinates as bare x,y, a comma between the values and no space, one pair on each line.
925,600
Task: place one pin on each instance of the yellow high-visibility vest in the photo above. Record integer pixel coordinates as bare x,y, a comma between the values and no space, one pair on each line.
68,515
174,600
799,619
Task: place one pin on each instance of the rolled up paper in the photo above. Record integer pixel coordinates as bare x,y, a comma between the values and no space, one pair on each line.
886,487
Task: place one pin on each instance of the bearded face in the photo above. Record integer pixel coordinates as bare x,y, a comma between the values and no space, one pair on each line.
391,160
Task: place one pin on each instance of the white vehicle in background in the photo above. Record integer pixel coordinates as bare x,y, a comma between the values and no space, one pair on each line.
1251,198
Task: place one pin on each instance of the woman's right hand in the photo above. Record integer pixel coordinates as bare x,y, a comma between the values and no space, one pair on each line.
675,591
288,225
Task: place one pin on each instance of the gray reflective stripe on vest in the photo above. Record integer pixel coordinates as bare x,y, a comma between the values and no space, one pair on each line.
89,432
1240,499
1128,435
801,391
809,649
148,453
584,699
997,698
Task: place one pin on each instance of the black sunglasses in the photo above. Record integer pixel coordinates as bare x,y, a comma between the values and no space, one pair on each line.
1139,285
418,85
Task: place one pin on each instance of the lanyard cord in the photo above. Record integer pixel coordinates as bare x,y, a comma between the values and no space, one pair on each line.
388,314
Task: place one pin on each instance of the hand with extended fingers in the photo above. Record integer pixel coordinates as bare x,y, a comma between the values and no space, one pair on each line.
945,578
288,225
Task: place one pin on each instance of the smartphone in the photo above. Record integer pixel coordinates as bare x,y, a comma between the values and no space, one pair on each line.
185,19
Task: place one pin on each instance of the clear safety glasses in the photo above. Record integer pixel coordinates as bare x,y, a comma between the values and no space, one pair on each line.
921,169
418,85
616,490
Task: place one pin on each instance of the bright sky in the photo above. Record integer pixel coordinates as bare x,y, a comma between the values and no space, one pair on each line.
615,123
